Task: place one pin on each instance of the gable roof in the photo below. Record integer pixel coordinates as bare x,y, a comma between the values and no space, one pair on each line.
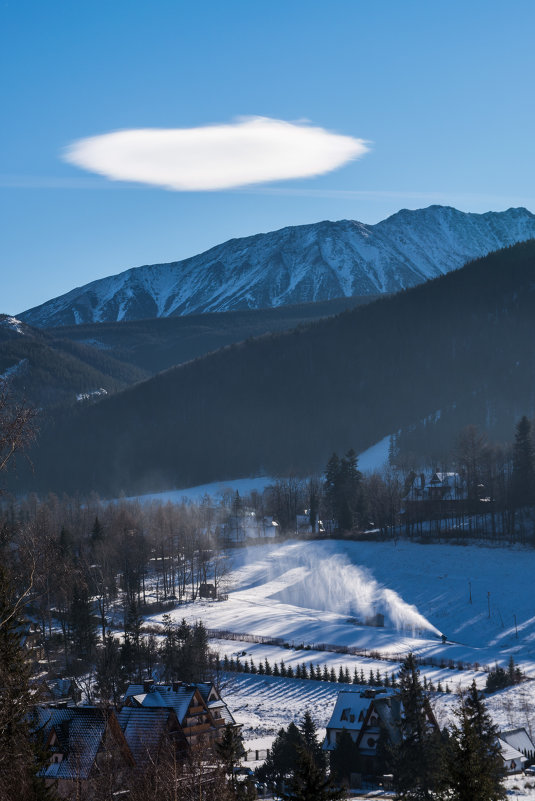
179,697
143,730
349,711
519,739
162,695
78,734
508,752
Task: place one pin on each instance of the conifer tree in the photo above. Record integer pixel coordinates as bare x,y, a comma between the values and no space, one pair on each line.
523,474
309,733
20,755
474,765
344,759
310,783
230,751
417,757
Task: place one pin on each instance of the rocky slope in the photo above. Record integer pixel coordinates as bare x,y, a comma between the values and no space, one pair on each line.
294,265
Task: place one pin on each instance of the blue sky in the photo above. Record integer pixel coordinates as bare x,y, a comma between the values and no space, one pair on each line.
442,91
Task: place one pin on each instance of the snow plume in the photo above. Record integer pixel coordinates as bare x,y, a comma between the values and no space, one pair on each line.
247,151
333,583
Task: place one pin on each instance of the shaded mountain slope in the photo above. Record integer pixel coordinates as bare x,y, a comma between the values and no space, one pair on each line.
299,264
160,343
51,372
285,402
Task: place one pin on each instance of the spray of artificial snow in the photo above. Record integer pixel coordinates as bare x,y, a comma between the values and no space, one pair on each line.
333,583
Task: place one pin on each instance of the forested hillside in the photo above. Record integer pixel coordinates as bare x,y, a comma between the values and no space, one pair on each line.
162,342
284,402
50,372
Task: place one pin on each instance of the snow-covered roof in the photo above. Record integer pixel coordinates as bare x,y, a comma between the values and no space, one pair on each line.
349,711
509,753
143,729
519,739
164,696
79,732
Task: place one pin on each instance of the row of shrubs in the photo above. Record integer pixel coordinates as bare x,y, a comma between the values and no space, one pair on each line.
319,673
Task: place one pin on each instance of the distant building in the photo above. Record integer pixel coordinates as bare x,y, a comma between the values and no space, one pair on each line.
513,760
81,740
365,715
519,740
84,739
438,486
194,713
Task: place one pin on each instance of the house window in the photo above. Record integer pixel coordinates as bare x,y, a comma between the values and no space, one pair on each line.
371,742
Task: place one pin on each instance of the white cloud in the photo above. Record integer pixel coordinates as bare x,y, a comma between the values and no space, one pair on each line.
248,151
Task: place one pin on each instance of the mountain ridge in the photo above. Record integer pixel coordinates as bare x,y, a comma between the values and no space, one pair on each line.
296,264
281,404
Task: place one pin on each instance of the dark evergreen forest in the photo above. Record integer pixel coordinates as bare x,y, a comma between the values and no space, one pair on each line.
282,403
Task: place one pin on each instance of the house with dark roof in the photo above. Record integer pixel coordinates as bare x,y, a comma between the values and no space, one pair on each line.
365,716
189,714
81,741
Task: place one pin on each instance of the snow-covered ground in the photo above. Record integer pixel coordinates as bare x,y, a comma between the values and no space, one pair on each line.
321,592
374,458
216,490
317,592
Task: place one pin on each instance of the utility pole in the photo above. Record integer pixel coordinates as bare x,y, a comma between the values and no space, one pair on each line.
470,589
488,601
516,627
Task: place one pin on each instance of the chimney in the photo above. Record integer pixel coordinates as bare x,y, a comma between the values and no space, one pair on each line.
147,685
176,685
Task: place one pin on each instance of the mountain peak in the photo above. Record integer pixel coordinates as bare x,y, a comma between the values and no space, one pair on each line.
297,264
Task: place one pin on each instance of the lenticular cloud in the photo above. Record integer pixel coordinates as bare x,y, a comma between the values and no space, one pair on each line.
248,151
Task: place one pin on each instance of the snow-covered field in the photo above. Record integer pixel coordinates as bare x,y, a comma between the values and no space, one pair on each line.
374,458
309,593
316,592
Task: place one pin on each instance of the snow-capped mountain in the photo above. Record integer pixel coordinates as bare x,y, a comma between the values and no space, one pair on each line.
294,265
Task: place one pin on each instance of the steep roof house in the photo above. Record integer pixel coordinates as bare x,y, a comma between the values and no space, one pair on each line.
81,741
365,715
517,748
513,760
188,713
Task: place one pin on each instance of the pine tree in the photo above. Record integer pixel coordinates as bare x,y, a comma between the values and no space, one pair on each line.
282,759
474,765
309,781
21,758
110,676
230,751
82,623
417,757
309,733
344,759
523,474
